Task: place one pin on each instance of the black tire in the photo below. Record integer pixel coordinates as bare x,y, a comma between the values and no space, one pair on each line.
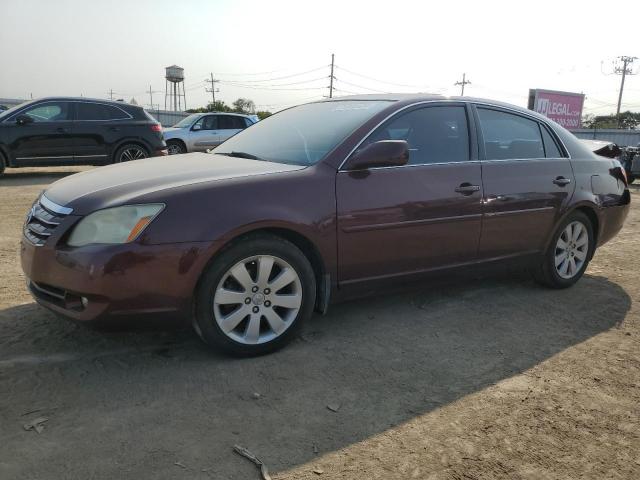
204,320
2,164
122,155
546,273
176,147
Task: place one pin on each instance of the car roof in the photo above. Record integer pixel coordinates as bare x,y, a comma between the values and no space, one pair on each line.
224,113
409,98
83,99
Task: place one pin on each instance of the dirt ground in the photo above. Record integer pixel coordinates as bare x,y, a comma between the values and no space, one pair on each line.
485,379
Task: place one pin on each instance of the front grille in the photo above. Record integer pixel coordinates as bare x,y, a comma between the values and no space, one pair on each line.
41,222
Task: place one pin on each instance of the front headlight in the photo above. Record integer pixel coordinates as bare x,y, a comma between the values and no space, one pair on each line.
114,225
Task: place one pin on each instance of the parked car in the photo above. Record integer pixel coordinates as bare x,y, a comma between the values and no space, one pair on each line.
77,131
3,108
202,131
317,203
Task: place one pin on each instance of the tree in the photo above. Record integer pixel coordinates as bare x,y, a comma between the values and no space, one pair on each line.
628,120
262,114
244,105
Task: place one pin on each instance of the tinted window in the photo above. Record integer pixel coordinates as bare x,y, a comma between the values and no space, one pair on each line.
303,135
508,136
117,114
434,134
91,111
230,122
49,112
210,123
550,146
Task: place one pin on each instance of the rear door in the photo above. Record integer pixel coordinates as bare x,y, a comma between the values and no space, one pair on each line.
98,127
47,140
424,215
527,181
229,125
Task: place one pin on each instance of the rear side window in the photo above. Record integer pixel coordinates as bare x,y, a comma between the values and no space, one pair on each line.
98,111
550,146
230,122
507,136
436,134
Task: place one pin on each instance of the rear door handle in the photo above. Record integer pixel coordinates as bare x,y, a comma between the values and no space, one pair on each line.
467,189
562,181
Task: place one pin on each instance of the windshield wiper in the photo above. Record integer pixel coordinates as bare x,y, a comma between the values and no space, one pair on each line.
250,156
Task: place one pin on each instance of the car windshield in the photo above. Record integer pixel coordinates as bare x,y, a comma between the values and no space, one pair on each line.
6,113
301,135
188,121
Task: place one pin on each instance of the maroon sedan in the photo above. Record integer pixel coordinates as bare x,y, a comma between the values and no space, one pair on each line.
315,203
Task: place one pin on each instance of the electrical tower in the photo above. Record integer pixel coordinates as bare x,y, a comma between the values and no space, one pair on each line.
624,70
463,83
213,89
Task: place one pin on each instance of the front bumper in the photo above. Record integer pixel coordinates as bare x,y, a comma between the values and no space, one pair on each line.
96,281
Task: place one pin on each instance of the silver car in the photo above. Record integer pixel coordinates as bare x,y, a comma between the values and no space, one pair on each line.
201,131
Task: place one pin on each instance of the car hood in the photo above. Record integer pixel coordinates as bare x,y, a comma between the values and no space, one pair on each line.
123,183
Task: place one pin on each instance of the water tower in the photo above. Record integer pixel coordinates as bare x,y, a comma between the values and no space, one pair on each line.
174,79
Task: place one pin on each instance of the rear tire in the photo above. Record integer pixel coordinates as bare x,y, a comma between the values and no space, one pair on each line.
129,152
569,253
255,296
176,147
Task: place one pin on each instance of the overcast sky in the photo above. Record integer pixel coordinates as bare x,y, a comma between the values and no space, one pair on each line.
261,49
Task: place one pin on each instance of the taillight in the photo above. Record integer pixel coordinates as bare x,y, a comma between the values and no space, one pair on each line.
156,127
624,174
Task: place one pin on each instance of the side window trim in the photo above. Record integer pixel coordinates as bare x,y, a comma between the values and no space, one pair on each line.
471,132
559,145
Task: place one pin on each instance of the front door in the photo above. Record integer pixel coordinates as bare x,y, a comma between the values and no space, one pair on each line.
422,216
47,140
527,182
204,133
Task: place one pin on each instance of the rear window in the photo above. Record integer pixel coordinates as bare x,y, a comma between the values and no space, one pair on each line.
508,136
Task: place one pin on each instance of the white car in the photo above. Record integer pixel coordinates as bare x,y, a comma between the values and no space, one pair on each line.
201,131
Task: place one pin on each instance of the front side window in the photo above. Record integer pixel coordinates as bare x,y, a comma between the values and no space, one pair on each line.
49,112
210,122
508,136
437,134
305,134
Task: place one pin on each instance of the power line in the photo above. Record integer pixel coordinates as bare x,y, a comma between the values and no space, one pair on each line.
229,82
381,81
262,80
257,87
360,86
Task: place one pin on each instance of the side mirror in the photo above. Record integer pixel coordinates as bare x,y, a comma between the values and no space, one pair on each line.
385,153
196,127
23,119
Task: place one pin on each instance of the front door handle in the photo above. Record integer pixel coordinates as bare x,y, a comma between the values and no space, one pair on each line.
467,189
562,181
61,130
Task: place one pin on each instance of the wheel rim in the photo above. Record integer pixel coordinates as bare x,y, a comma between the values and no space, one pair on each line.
257,299
132,153
571,251
174,149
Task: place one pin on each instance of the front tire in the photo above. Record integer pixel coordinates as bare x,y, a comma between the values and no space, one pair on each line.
255,296
176,147
569,253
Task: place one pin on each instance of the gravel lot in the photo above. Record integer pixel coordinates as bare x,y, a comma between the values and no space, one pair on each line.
487,379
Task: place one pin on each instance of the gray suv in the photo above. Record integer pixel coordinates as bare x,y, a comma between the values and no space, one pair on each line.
202,131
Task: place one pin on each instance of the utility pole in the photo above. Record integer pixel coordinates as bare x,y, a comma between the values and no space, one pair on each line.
212,90
463,83
331,77
111,94
151,92
624,71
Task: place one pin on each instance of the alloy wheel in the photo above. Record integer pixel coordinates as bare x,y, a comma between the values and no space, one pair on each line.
174,149
257,299
571,250
132,153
